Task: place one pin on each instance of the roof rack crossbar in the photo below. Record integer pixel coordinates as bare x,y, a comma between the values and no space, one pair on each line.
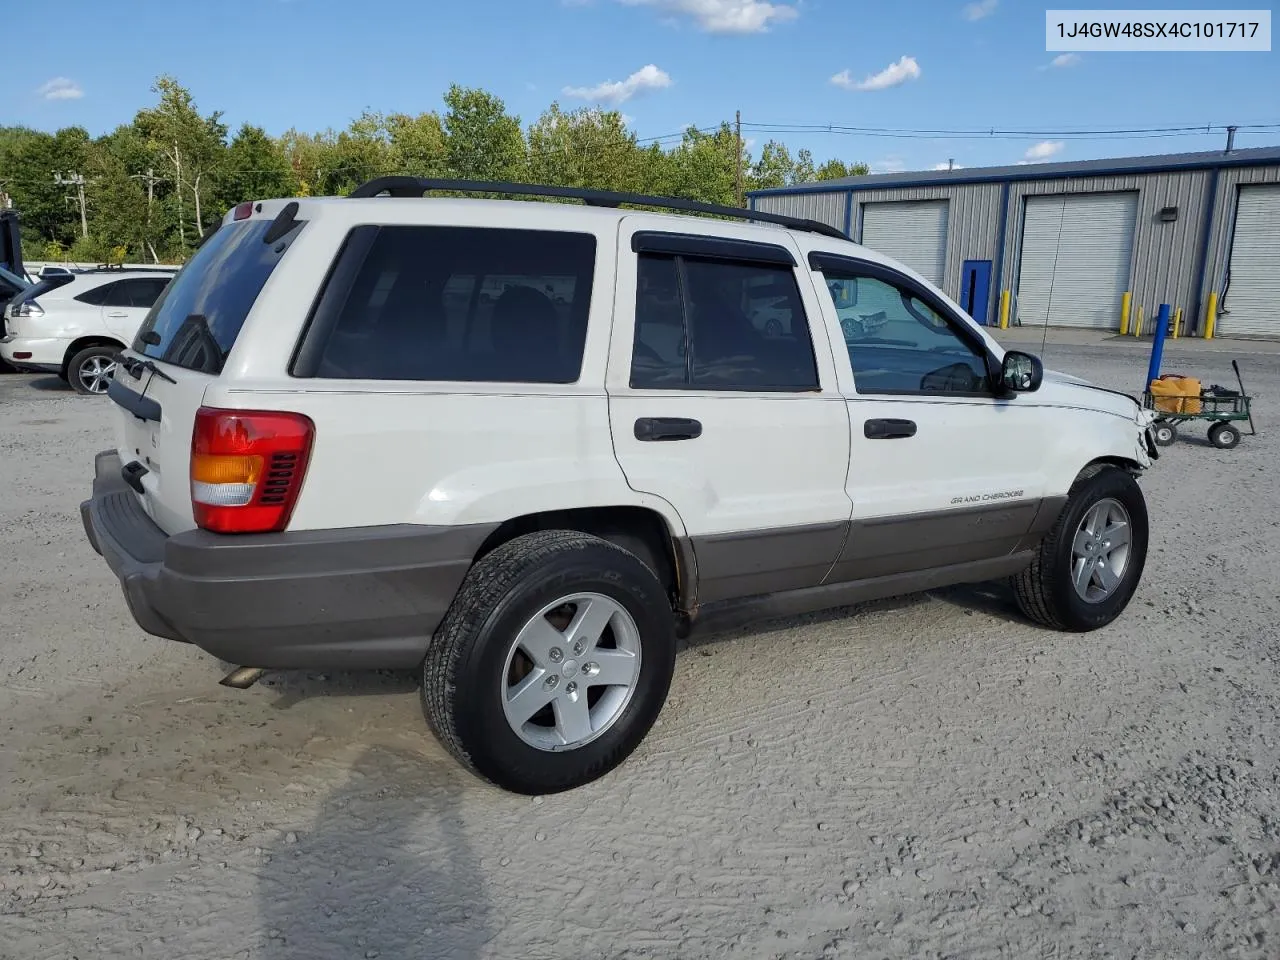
416,187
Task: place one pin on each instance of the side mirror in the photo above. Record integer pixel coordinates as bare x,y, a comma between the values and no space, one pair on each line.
1020,372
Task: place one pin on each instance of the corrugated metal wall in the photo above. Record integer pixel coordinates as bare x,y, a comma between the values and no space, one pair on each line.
826,208
1224,211
1165,255
973,227
1171,261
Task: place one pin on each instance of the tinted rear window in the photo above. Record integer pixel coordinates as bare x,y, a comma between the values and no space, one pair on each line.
465,304
196,321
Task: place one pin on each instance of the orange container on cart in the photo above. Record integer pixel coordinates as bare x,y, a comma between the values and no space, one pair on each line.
1175,393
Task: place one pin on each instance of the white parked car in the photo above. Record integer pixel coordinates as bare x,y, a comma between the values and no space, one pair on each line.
76,324
335,449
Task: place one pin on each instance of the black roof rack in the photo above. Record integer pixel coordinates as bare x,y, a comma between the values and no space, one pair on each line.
417,186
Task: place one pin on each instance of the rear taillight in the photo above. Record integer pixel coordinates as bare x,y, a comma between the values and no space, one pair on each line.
243,211
28,308
247,468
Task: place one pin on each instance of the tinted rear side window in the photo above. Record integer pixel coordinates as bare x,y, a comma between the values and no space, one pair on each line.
97,296
138,292
464,304
195,322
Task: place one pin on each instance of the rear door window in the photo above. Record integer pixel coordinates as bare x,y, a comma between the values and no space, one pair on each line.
720,325
463,304
195,322
137,292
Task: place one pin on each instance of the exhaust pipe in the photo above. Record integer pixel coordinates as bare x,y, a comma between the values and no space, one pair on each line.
242,678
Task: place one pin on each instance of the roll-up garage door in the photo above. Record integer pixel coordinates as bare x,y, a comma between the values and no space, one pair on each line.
911,232
1075,259
1252,302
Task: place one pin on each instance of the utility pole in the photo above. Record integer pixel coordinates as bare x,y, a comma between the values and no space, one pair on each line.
1231,139
951,163
76,180
737,124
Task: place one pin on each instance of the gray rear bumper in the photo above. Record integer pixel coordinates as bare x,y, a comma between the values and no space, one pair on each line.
363,598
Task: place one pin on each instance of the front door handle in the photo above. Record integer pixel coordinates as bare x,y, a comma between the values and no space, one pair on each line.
667,428
118,315
888,429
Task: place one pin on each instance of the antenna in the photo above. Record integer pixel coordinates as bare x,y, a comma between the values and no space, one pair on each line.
1053,277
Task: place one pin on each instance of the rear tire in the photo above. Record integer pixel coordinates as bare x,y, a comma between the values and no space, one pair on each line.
1224,436
90,371
478,665
1098,542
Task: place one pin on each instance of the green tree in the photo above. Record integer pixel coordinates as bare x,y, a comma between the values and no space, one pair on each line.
804,171
838,169
311,158
483,142
775,168
119,214
587,147
705,166
31,163
255,168
417,145
190,147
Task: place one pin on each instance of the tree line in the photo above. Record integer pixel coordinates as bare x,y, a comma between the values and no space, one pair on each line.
149,189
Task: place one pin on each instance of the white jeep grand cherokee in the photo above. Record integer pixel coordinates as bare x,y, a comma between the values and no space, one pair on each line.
524,446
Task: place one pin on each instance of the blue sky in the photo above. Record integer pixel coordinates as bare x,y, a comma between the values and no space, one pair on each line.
929,64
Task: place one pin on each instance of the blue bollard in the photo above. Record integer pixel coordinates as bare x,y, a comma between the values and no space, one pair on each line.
1157,345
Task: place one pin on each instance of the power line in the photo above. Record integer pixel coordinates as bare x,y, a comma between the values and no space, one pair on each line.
995,133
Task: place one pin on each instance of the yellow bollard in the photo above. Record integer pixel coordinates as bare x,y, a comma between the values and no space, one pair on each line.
1137,327
1124,313
1211,316
1177,323
1004,309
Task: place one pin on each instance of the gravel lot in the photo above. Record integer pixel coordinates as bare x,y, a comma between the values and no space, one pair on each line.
931,777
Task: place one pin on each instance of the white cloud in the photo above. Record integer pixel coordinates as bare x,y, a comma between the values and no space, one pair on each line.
60,88
889,165
628,120
1065,60
980,9
725,16
1043,150
894,74
947,166
648,77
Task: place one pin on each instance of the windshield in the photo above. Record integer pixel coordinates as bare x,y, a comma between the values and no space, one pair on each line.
195,322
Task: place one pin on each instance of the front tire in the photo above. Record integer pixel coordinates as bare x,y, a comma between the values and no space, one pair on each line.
552,664
1089,565
90,371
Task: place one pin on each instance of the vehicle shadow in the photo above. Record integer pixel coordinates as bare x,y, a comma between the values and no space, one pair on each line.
51,384
384,871
292,687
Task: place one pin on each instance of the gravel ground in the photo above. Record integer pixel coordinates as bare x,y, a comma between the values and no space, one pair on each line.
928,777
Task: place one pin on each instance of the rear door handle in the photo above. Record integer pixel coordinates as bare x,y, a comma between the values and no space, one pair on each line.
667,428
888,429
117,315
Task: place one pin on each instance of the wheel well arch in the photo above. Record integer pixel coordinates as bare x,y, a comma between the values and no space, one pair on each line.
1127,464
81,342
640,530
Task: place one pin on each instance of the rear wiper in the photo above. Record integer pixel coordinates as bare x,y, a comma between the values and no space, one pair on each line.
134,364
151,366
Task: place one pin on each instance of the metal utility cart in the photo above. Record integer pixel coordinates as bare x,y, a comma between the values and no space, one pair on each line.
1219,406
